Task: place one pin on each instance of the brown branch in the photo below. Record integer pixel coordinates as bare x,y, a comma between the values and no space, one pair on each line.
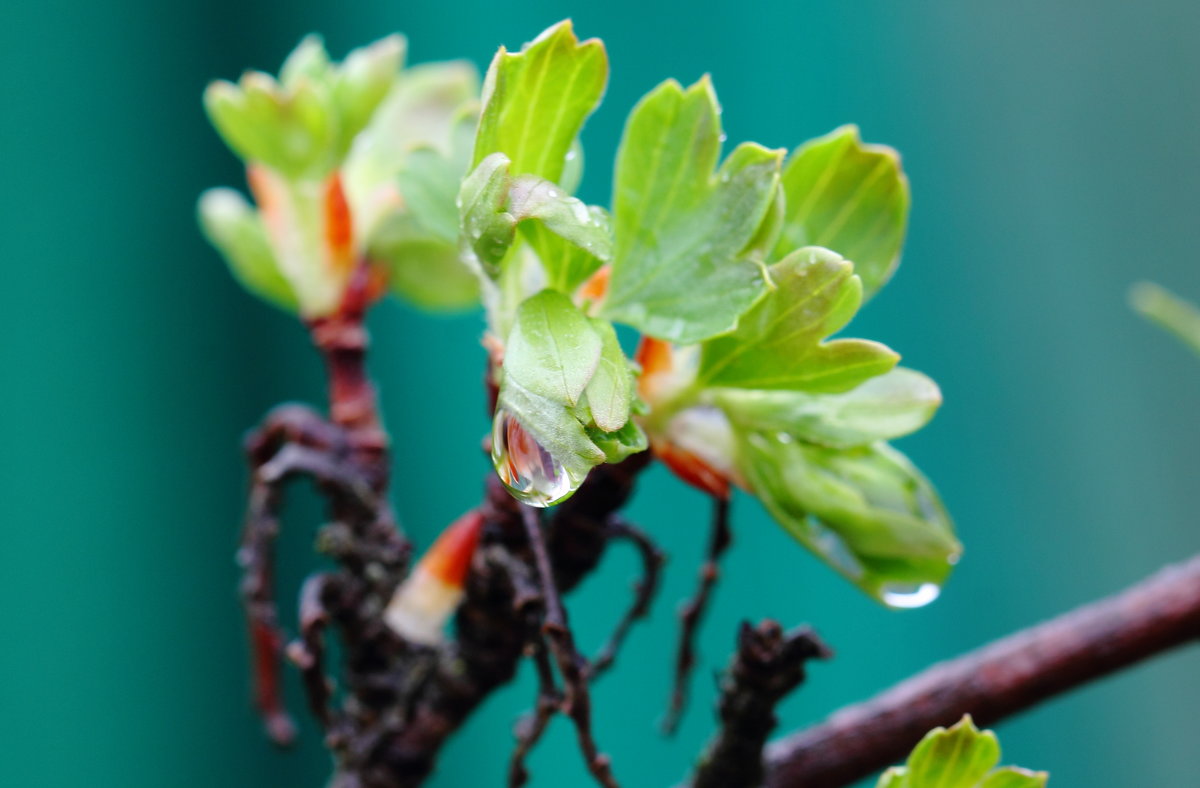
531,726
767,666
577,702
308,651
996,681
644,592
693,612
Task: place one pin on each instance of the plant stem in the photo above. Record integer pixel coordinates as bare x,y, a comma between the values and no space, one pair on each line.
995,682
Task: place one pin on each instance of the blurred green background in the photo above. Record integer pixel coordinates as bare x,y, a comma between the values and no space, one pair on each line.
1052,155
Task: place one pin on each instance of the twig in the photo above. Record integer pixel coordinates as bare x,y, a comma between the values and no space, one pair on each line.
767,666
256,558
996,681
693,611
532,725
576,699
308,651
644,592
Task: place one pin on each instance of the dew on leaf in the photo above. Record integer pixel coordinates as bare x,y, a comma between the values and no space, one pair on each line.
529,472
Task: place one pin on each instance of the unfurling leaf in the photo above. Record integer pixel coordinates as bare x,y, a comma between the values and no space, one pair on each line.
779,343
865,511
681,270
535,101
888,406
493,203
552,350
848,197
960,757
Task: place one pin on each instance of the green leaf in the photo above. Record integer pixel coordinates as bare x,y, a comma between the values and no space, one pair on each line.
554,427
848,197
234,227
552,350
536,101
619,444
361,83
680,268
961,757
956,758
610,390
1168,311
888,406
423,268
429,183
492,203
778,342
1014,777
866,511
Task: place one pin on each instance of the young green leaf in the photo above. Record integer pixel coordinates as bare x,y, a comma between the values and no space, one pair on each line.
888,406
553,350
233,226
866,511
535,101
961,757
778,342
423,267
1169,312
555,429
610,391
848,197
492,203
680,268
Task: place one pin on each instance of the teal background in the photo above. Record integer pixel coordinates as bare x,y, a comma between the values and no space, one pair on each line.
1052,156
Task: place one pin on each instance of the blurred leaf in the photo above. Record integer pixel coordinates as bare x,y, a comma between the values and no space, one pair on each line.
1168,311
536,101
429,182
866,511
961,757
778,342
552,350
303,126
888,406
679,269
423,268
1014,777
233,226
848,197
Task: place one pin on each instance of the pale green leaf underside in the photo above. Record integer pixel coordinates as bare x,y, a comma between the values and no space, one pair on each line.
848,197
680,271
236,230
552,350
535,101
866,511
778,342
888,406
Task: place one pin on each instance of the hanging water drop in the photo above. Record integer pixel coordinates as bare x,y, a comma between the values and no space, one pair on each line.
909,595
529,472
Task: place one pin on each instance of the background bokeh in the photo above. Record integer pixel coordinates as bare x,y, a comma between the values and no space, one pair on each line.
1052,155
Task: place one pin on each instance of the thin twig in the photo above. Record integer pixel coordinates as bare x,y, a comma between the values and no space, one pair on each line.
996,681
693,611
531,726
576,699
644,591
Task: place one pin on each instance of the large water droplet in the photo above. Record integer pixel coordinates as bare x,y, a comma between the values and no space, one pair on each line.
529,472
908,595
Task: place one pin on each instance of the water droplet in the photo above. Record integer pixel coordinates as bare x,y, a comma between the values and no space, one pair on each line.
908,595
723,137
529,472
